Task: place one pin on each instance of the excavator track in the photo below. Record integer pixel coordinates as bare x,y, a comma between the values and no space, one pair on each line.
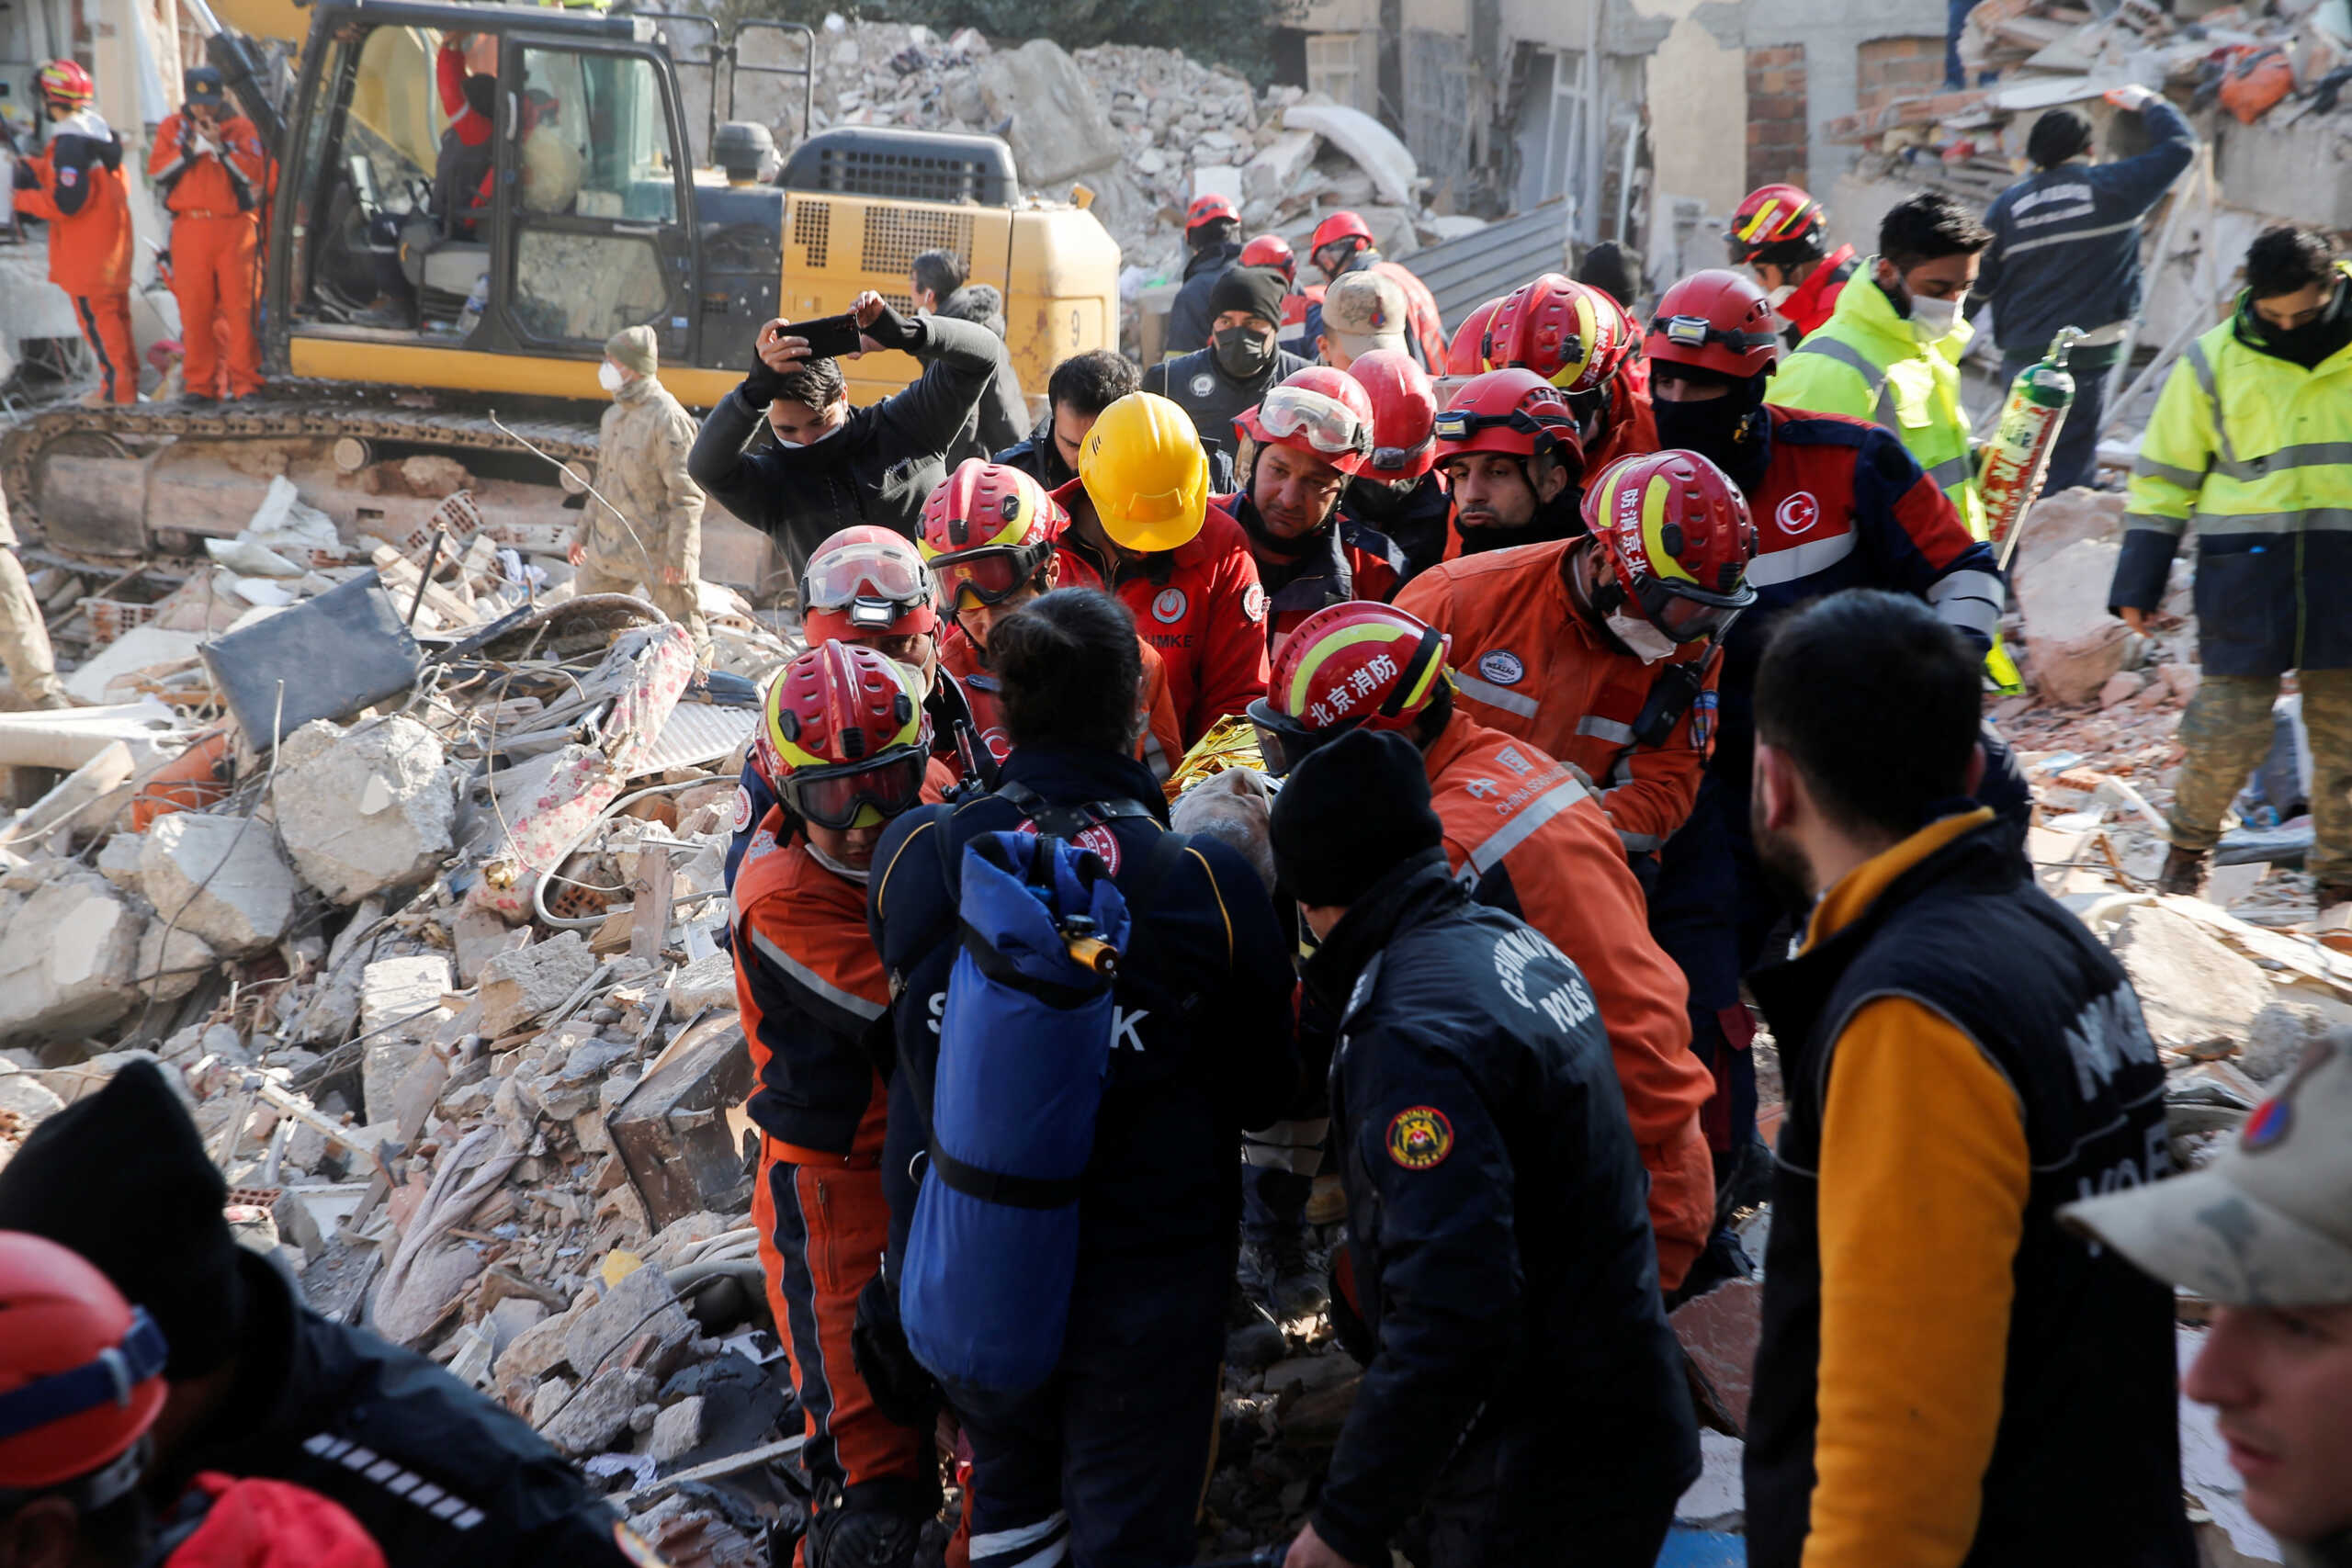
288,409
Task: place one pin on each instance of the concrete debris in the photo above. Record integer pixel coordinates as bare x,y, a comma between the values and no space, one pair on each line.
677,1431
69,954
531,982
2193,990
1057,129
591,1418
364,810
2073,645
219,878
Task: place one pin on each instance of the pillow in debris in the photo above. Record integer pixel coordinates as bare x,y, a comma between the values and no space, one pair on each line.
571,625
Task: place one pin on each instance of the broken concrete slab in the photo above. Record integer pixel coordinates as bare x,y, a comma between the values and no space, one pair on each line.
364,810
706,982
219,878
682,1134
140,648
1371,144
1275,168
171,962
479,936
25,1103
2193,989
531,1355
2073,645
638,1308
677,1431
525,984
392,989
65,738
1059,132
117,862
2057,521
69,951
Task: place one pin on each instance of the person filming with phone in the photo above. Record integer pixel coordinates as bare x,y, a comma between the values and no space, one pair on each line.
831,466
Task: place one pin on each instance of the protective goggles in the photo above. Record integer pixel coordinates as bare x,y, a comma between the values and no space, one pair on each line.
1460,424
1321,421
990,576
838,796
1397,459
1696,331
874,585
1688,612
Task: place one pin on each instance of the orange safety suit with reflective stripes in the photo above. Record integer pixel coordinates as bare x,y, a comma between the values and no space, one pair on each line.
810,988
1528,663
215,195
1527,836
77,188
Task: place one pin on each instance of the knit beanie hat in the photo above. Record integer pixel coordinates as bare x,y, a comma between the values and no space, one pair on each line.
121,1177
1256,289
2056,137
1349,812
634,348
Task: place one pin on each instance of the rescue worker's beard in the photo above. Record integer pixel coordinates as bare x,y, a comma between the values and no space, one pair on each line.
1779,858
1243,354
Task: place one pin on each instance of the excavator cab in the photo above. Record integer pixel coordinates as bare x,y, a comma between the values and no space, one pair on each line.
476,197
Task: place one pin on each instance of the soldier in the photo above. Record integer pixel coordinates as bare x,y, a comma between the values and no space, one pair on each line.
24,635
648,528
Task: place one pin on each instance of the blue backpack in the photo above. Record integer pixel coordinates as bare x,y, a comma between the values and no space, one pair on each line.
1024,1043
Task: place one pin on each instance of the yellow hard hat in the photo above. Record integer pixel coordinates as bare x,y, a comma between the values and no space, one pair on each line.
1143,467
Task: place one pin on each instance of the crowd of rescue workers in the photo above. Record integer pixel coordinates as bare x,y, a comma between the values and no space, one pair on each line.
1531,702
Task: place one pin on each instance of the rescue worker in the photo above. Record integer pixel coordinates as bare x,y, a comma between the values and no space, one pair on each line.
1140,516
2260,1234
1527,836
1212,385
2066,252
74,183
1465,357
24,632
1836,502
1781,234
214,172
2248,446
461,169
1399,491
1273,251
644,524
1362,311
988,536
1508,445
1299,449
865,586
1968,1058
1607,268
1604,650
1103,1464
1212,245
1891,351
81,1388
1342,243
846,727
1077,391
1582,341
259,1384
1524,1388
834,466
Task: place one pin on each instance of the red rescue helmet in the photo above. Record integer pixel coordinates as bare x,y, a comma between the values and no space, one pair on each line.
1773,215
986,531
1323,412
1466,354
1208,209
1515,414
1341,225
1572,334
1676,529
848,735
1273,251
1404,414
1716,320
868,581
1352,666
81,1374
66,85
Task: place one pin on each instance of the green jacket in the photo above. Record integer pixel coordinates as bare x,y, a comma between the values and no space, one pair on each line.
1863,361
2255,452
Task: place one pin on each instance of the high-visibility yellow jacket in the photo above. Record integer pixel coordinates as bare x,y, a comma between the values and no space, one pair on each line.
1864,362
2255,452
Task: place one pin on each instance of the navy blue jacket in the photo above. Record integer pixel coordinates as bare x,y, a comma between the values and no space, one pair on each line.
1204,1043
1038,456
2065,249
1498,1223
1188,318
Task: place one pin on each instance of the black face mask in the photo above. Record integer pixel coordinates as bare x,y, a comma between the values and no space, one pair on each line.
1243,354
1713,429
2313,341
481,90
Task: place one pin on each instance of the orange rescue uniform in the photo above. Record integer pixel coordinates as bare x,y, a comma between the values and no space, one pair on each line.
77,189
1527,836
1528,663
214,197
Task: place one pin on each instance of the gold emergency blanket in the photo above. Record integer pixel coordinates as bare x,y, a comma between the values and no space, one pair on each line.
1231,742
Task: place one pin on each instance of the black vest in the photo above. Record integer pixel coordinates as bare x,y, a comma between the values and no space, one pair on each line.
2086,1466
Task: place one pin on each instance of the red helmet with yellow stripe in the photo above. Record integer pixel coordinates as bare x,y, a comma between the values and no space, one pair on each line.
1774,215
986,531
1677,531
847,742
66,85
1358,665
1571,334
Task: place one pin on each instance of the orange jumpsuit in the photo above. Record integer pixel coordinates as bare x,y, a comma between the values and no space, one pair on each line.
77,188
214,197
1526,837
810,987
1528,663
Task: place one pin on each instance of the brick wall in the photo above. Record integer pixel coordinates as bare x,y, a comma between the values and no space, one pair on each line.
1886,69
1776,116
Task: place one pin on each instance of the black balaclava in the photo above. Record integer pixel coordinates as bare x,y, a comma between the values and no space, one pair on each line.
1728,431
481,92
2306,346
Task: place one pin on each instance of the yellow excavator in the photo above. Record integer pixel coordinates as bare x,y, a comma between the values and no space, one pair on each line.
415,284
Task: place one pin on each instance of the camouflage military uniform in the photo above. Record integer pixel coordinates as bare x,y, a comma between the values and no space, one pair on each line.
2226,732
24,637
641,469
